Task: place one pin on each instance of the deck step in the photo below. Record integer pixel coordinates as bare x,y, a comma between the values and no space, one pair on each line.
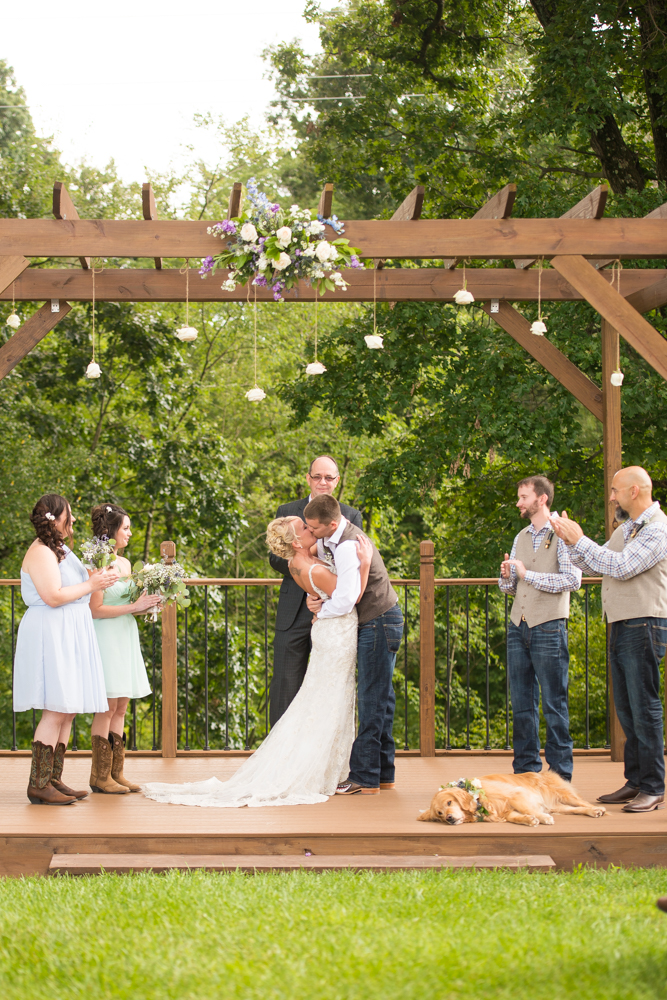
122,864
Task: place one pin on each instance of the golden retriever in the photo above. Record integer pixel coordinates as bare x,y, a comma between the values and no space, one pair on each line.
528,799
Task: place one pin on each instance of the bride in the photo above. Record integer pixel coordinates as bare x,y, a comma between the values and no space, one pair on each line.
307,752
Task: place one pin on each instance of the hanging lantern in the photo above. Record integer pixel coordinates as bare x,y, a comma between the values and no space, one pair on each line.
13,320
93,370
539,327
315,368
255,395
374,341
187,332
617,377
463,297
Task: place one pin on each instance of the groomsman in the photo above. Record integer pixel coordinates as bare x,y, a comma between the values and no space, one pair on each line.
540,573
291,645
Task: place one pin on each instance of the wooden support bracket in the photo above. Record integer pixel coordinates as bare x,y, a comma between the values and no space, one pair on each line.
10,269
326,201
150,212
652,297
615,309
169,666
63,208
548,355
590,207
498,207
235,198
410,208
30,334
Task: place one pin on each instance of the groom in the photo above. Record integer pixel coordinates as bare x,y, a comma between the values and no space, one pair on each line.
380,633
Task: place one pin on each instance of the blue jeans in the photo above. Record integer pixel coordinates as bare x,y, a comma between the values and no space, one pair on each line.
372,758
537,658
636,647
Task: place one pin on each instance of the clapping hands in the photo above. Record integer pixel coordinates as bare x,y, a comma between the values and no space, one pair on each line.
566,529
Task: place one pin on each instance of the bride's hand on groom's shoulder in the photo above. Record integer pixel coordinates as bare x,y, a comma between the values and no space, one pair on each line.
364,550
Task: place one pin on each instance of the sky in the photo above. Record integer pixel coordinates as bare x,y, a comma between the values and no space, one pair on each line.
124,81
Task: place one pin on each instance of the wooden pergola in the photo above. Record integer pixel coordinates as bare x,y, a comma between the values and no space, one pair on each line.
580,246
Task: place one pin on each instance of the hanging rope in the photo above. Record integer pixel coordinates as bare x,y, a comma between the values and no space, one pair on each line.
255,328
375,325
539,288
94,272
317,292
186,271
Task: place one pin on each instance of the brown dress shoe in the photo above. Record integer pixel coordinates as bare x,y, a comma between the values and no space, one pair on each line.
40,790
624,794
661,903
56,774
351,788
643,803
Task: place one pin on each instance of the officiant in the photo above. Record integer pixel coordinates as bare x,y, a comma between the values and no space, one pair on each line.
291,645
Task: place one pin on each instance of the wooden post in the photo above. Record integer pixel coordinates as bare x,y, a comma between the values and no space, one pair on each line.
613,460
426,649
169,667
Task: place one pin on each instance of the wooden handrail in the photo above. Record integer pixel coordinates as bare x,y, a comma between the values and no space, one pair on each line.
242,581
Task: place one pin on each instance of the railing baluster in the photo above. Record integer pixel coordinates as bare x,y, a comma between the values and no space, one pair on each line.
14,744
606,689
206,744
187,683
467,667
226,668
154,691
133,740
405,669
74,743
245,590
448,743
588,713
488,678
508,745
266,659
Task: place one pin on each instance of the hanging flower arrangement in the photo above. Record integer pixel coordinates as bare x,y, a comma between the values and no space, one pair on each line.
276,248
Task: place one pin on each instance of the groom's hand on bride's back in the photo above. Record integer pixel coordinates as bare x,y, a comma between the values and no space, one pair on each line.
313,603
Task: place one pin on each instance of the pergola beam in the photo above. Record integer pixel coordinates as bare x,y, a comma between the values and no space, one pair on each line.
64,208
498,207
604,298
326,201
590,207
658,213
149,208
548,355
392,284
10,269
480,238
30,334
235,198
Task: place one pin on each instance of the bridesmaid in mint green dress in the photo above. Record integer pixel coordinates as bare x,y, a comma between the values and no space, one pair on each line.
124,669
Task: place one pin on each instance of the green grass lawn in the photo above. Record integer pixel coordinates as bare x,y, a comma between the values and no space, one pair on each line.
422,935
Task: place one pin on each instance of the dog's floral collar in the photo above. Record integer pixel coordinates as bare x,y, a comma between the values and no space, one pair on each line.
472,787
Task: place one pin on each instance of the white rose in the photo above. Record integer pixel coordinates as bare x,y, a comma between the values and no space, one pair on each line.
93,370
333,252
315,227
283,261
284,236
248,232
538,328
374,342
315,368
616,378
14,321
463,297
255,395
476,783
322,251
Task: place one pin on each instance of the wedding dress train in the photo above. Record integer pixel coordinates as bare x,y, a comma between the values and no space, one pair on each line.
307,753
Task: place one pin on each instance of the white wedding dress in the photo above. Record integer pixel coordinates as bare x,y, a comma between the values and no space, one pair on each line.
307,753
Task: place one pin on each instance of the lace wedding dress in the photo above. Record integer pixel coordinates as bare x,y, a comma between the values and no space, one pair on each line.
307,753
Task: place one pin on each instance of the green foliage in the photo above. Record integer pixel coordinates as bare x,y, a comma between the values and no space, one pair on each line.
336,936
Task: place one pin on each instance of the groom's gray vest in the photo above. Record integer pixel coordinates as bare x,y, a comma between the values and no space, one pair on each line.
379,595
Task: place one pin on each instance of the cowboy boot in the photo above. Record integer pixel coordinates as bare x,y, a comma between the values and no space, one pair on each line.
40,790
118,744
56,774
100,771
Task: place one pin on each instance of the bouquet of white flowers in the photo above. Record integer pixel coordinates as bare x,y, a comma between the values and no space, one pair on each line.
159,578
276,247
97,553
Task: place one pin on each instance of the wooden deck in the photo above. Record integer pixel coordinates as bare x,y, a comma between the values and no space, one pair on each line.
382,825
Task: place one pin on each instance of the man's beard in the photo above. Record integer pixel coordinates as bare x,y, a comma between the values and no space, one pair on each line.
529,511
620,514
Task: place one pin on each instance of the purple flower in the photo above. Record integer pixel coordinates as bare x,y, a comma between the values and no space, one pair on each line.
227,226
206,267
354,261
260,281
275,208
297,253
262,240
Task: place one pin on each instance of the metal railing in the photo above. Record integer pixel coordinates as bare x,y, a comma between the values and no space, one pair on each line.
210,667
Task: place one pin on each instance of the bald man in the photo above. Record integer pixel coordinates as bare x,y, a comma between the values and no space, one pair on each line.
633,566
291,645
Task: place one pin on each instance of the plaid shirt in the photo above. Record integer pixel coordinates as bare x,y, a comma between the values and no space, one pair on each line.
568,577
642,552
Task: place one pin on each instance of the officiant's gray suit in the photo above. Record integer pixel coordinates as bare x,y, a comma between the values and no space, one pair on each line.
291,645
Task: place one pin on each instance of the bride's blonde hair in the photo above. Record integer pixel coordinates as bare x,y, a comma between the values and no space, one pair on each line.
280,534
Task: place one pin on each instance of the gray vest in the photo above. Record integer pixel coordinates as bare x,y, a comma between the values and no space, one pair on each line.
379,595
644,595
536,606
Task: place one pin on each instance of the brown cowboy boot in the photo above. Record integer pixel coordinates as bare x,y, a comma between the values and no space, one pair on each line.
57,773
40,790
100,771
118,743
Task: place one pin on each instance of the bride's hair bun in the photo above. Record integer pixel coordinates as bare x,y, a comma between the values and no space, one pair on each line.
280,534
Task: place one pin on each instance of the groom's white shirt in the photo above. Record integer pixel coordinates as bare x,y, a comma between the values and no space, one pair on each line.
347,564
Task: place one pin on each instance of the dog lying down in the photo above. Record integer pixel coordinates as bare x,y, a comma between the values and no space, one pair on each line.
528,799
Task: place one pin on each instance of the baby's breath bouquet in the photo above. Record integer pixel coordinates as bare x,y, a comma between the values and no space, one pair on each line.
97,553
159,578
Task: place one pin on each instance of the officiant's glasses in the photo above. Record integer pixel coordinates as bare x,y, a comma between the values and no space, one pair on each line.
327,479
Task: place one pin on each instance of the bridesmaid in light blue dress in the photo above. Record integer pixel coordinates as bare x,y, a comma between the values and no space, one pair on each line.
124,670
57,667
